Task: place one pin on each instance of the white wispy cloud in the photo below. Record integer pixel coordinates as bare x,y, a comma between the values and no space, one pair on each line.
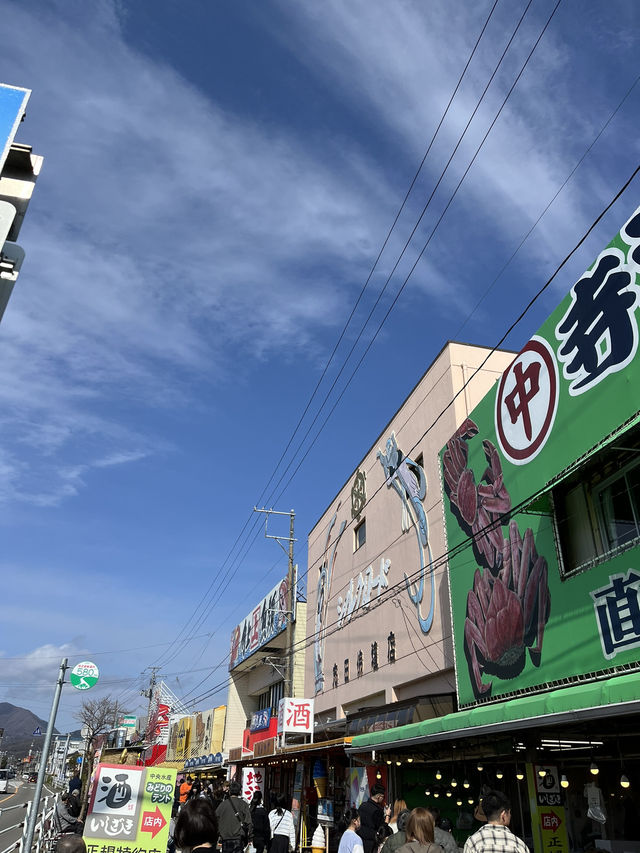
161,243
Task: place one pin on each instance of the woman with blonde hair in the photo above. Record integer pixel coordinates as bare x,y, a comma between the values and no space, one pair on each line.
398,806
419,831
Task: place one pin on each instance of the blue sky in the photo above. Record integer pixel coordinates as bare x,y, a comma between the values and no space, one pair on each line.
218,180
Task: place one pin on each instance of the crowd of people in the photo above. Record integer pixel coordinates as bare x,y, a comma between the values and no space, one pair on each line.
375,829
204,816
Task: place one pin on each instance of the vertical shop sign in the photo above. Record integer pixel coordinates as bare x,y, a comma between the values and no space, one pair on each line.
252,781
296,801
548,815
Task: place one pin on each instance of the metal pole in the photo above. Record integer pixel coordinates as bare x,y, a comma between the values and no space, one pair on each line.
291,608
31,825
61,772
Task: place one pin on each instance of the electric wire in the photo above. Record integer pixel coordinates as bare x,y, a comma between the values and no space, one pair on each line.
343,332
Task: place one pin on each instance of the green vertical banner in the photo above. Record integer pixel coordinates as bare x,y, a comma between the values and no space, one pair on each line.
130,809
540,536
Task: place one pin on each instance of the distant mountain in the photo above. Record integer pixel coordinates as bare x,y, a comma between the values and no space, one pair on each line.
19,725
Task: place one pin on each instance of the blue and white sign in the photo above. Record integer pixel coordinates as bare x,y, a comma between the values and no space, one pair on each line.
260,720
265,621
13,104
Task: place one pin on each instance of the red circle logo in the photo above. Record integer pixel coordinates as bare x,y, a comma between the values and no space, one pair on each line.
527,401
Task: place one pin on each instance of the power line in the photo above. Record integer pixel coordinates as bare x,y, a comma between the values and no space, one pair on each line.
227,574
209,591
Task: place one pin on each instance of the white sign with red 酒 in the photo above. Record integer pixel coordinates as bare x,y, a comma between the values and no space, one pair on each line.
295,716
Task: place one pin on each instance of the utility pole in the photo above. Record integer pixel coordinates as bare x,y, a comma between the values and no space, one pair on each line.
292,584
150,691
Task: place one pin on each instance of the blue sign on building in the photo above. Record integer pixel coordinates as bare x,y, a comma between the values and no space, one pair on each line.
13,103
260,720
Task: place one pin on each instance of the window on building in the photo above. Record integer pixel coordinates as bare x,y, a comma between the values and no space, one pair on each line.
276,692
264,701
597,508
360,534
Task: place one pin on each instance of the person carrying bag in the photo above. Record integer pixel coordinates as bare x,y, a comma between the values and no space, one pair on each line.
234,821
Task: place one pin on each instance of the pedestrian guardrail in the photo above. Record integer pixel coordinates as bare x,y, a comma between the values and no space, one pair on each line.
43,831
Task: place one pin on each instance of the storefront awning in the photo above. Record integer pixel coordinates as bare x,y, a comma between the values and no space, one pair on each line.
611,697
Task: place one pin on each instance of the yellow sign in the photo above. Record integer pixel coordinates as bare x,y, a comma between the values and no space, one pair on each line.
184,739
548,816
130,809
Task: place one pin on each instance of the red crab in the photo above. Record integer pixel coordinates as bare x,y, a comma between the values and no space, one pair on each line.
480,507
507,613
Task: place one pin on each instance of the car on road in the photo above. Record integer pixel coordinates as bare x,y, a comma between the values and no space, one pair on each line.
33,777
4,781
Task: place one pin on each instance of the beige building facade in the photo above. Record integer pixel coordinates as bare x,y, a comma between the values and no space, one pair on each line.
378,618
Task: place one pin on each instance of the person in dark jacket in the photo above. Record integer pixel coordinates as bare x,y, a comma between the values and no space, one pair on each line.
233,813
371,817
260,820
73,803
395,841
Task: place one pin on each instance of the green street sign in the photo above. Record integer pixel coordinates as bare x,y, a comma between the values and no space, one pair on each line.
84,675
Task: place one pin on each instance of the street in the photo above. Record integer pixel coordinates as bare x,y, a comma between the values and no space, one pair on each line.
20,794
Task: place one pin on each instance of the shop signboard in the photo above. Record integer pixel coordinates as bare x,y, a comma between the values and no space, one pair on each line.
572,386
129,721
13,104
197,745
162,723
183,739
130,807
265,622
264,747
252,781
218,718
295,716
260,720
548,815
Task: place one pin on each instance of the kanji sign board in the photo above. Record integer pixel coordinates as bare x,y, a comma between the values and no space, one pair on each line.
130,808
295,716
529,558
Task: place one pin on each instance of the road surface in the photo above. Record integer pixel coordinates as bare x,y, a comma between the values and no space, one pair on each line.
19,794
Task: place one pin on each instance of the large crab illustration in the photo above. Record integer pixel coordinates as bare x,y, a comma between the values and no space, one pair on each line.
480,508
508,613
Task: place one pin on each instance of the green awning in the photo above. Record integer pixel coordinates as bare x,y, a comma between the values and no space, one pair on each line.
610,697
